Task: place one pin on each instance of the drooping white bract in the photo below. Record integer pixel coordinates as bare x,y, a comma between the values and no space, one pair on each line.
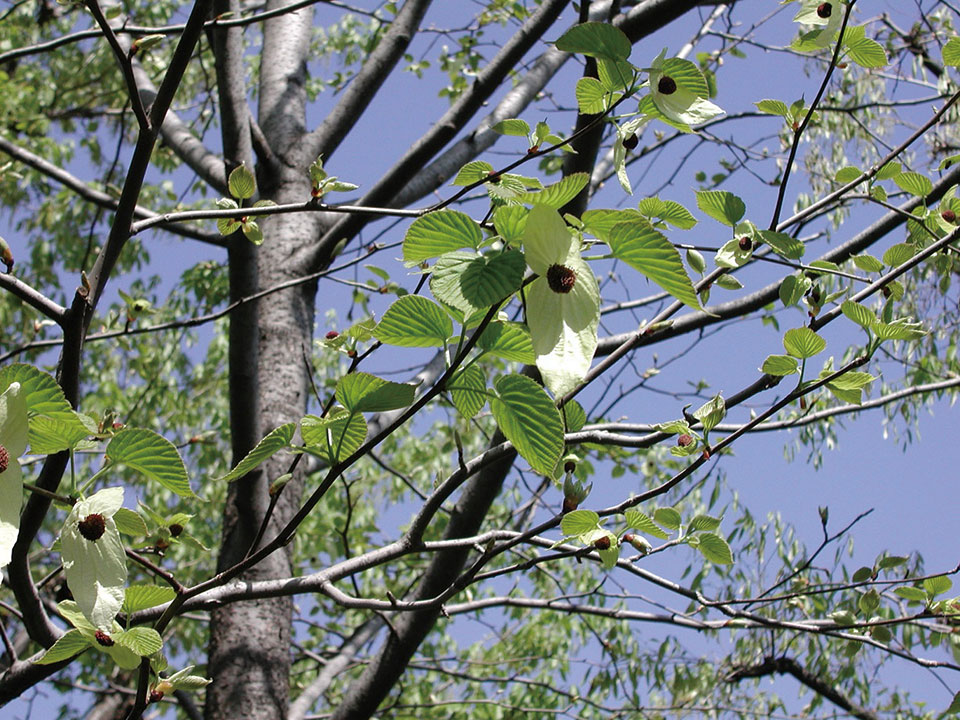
13,439
93,557
675,101
563,304
826,16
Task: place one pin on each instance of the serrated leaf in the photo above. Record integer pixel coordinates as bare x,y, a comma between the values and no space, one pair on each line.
142,597
595,39
914,183
130,522
191,682
44,398
861,315
528,418
696,261
951,51
714,548
650,253
937,585
414,321
508,340
667,517
898,330
609,557
783,245
509,222
440,232
711,412
911,594
467,391
242,183
71,643
847,174
773,107
867,263
704,523
892,561
722,206
275,441
151,455
141,640
728,282
899,254
591,96
867,53
512,126
335,437
579,522
792,289
471,282
574,416
640,521
780,365
471,173
560,193
361,392
49,435
803,342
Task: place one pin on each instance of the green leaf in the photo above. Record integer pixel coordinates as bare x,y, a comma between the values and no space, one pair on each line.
803,342
899,330
955,703
71,643
867,53
560,193
711,412
704,523
695,261
414,321
861,315
579,522
868,602
275,441
892,561
783,245
937,585
141,640
792,289
911,594
609,557
773,107
847,174
640,521
360,392
668,211
141,597
335,437
595,39
914,183
574,416
508,340
242,183
471,282
510,221
151,455
438,233
722,206
471,173
951,51
867,263
591,96
52,434
512,126
468,391
899,254
650,253
728,282
715,549
780,365
529,419
130,522
667,517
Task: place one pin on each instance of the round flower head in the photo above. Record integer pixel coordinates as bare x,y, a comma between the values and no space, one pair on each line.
13,443
675,99
563,304
826,17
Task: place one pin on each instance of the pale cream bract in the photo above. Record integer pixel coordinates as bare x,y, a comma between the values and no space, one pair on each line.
13,438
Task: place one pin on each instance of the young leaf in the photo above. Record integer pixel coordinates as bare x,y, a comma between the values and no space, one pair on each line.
151,455
722,206
714,548
596,39
668,517
639,521
360,392
414,321
141,597
650,253
508,340
529,419
335,437
467,390
559,194
803,342
242,183
579,522
471,282
71,643
438,233
276,440
779,365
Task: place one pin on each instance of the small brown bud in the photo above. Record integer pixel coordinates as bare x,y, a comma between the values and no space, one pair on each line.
332,334
156,696
602,543
103,638
685,440
92,526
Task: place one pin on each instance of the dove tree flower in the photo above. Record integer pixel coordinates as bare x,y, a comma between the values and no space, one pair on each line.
826,18
93,556
13,443
563,303
679,91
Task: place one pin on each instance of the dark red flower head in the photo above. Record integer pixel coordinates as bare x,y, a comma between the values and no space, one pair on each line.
560,278
667,85
92,526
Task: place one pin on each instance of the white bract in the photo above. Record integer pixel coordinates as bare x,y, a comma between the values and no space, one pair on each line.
13,439
826,16
674,100
96,569
563,304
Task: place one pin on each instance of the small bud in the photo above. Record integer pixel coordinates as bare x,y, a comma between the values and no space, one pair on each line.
886,291
685,440
117,425
493,177
745,243
533,149
568,467
156,696
175,529
332,334
639,543
4,459
574,492
92,526
950,216
825,10
631,141
602,542
103,638
667,85
161,544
